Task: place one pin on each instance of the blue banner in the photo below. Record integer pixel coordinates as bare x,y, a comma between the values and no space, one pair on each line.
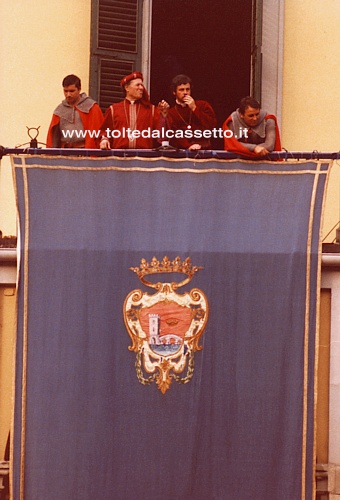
243,427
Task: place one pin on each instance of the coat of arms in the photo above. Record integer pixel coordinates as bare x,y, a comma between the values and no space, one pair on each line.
165,327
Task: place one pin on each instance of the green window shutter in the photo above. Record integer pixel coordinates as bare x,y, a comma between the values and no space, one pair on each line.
115,47
256,49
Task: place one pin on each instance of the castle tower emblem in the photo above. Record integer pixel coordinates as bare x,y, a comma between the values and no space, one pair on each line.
165,327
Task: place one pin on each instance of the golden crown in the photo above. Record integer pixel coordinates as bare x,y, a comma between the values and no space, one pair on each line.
166,266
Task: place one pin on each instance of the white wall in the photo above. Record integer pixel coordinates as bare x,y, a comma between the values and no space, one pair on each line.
40,43
311,82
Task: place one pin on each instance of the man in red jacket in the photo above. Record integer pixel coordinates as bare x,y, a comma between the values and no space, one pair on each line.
250,131
130,124
189,121
76,121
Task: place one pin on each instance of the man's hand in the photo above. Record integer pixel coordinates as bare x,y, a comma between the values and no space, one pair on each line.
163,106
104,143
261,151
190,102
195,147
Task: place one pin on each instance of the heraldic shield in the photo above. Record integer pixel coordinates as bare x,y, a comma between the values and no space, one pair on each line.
165,327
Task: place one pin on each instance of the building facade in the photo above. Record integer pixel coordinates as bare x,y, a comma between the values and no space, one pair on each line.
295,74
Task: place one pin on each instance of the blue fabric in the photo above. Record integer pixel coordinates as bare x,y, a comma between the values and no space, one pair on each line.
236,431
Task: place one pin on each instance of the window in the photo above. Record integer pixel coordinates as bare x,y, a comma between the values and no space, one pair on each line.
115,47
223,56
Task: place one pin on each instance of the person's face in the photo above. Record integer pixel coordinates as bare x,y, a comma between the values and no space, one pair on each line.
72,94
251,116
181,91
134,89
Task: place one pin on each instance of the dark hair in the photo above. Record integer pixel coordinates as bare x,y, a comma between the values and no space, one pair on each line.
72,80
248,102
180,80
